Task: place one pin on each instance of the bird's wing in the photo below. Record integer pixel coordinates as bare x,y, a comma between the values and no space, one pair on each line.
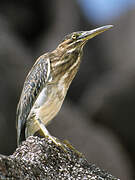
35,81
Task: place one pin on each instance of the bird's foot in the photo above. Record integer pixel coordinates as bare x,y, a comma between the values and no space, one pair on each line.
68,144
46,133
58,143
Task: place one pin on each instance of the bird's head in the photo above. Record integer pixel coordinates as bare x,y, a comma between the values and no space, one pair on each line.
77,40
66,58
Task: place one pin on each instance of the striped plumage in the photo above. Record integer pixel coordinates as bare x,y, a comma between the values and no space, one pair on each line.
47,83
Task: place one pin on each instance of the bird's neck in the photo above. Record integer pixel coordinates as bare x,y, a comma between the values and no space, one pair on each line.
65,64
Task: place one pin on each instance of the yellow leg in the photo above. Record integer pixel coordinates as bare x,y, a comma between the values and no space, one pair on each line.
67,143
47,134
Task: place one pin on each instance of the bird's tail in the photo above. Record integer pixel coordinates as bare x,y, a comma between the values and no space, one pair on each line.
20,134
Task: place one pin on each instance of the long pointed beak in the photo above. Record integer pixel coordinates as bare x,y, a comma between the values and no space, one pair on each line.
86,35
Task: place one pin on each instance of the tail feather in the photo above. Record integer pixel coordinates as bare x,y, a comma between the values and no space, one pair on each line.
20,135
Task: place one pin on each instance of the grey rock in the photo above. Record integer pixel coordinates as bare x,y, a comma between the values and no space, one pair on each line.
39,158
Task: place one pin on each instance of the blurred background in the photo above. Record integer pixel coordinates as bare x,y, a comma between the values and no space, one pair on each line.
98,116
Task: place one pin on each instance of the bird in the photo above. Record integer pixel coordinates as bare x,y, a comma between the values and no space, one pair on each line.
47,83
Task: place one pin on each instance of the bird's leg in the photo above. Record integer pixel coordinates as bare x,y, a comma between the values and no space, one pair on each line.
47,134
69,145
45,131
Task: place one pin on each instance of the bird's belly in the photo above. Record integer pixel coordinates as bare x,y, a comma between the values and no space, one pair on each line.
50,108
47,105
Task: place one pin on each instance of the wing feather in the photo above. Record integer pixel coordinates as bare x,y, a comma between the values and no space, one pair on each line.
33,85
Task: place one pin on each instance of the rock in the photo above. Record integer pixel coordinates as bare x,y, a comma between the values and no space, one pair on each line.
40,158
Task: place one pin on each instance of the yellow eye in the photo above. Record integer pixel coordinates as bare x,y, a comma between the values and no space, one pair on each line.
74,36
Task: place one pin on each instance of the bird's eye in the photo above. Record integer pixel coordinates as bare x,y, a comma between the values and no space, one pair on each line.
74,36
